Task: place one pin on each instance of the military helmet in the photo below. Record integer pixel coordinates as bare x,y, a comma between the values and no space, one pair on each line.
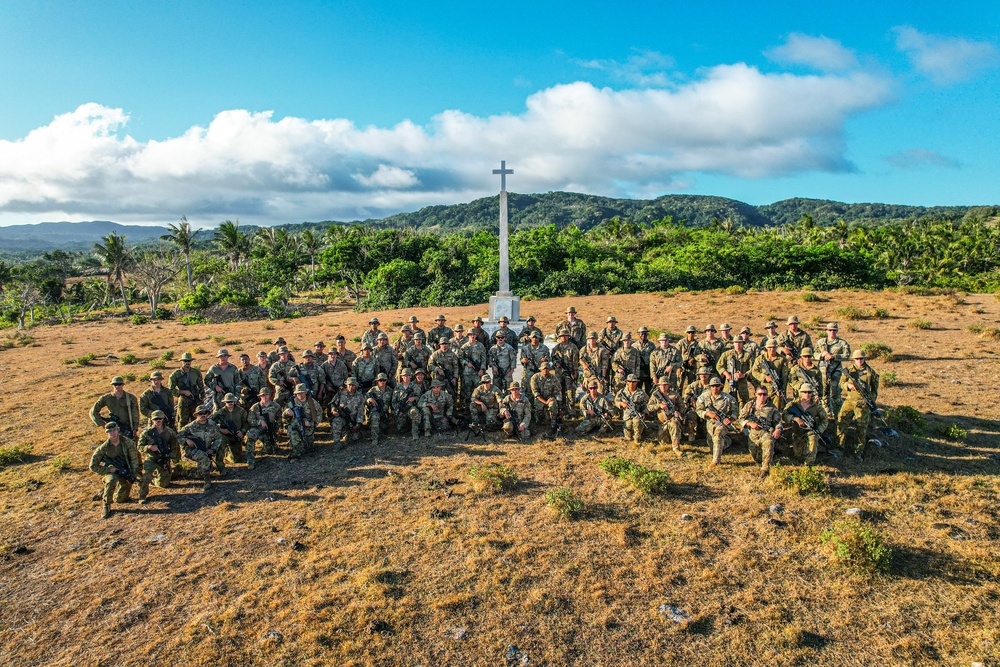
187,357
381,377
715,381
792,320
726,326
514,385
807,388
118,379
203,410
691,329
156,375
157,414
858,354
229,398
266,391
632,378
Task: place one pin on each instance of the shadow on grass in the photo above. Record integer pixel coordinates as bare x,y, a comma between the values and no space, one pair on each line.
912,562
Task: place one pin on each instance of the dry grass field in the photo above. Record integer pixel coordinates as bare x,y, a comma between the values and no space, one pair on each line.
390,556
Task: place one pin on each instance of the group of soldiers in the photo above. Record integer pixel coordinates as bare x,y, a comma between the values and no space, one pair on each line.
784,388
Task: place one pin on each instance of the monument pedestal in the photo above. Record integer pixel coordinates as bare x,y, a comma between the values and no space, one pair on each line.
505,304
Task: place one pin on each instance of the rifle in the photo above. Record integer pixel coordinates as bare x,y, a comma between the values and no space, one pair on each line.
272,429
590,369
249,395
124,471
561,363
795,410
634,410
343,413
731,368
162,456
225,423
769,370
300,416
307,381
127,432
603,415
379,405
788,344
397,415
729,428
866,397
168,411
220,383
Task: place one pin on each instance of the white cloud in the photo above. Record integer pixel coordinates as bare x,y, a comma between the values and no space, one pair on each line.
732,120
944,60
820,53
918,158
642,68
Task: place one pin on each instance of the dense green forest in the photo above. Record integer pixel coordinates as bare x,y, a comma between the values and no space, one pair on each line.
233,272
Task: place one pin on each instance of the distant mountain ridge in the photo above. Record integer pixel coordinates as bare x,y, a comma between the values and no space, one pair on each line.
46,236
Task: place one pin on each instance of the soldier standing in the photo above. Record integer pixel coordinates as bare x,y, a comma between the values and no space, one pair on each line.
253,379
711,346
855,413
524,338
346,355
750,347
689,350
159,448
665,361
576,328
509,336
275,354
402,344
834,354
474,365
283,375
626,361
480,333
222,378
439,331
418,356
645,348
719,410
186,384
771,371
734,365
804,371
596,362
123,409
726,336
370,337
611,336
761,421
157,397
117,461
807,419
319,347
202,442
503,360
387,358
794,340
263,421
414,328
566,357
533,357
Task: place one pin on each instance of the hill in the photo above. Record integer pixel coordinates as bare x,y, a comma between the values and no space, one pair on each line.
46,236
826,212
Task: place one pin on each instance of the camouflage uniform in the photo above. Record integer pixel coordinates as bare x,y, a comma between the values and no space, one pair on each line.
370,337
740,362
157,464
417,357
489,396
689,350
503,361
794,341
437,410
335,373
532,358
314,378
832,369
189,380
780,366
374,417
124,411
237,419
662,404
566,357
543,388
627,361
437,333
577,331
284,375
645,349
349,409
805,445
252,381
855,415
520,415
725,407
364,371
403,408
509,336
480,333
632,419
258,420
401,345
222,381
524,338
212,438
302,433
713,348
610,338
689,402
799,374
474,363
148,406
347,356
596,362
599,406
387,360
666,362
115,487
760,441
275,355
443,365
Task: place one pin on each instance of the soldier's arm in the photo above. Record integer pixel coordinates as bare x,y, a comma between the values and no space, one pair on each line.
95,412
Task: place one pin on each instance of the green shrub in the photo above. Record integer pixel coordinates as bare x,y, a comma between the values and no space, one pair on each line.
647,480
919,324
128,358
735,290
877,351
167,355
905,419
950,431
858,546
494,477
276,303
198,350
130,377
804,481
81,361
139,320
889,379
881,313
67,341
564,502
164,313
188,320
199,299
157,364
12,454
812,297
850,313
62,463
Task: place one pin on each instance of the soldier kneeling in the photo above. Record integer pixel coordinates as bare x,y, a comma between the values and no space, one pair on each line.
117,460
160,448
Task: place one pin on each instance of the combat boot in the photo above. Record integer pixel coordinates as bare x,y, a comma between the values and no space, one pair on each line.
106,512
207,485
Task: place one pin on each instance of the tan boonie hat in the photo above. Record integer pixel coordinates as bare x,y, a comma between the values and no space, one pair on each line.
157,414
664,336
374,320
283,349
156,375
515,385
266,391
663,380
858,354
726,326
745,330
643,330
477,318
118,379
806,387
319,343
710,327
690,329
792,320
382,336
704,370
406,329
187,357
504,318
714,382
459,328
806,352
631,378
612,319
222,353
832,326
771,324
309,353
571,309
592,334
771,343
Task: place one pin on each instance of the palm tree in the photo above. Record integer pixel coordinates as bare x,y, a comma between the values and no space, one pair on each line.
115,256
233,243
183,237
312,243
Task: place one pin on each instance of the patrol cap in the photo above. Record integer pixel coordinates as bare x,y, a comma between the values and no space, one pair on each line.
382,336
374,320
504,318
710,327
437,383
477,318
771,324
663,380
381,377
187,357
229,398
406,373
691,329
858,354
631,378
157,414
319,343
664,336
726,326
715,381
283,349
279,341
771,343
266,391
592,334
420,335
792,320
118,379
110,426
807,352
350,381
203,410
704,370
309,353
156,375
832,326
612,318
571,309
745,330
807,388
515,385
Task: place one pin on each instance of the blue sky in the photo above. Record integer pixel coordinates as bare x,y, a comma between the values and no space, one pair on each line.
284,112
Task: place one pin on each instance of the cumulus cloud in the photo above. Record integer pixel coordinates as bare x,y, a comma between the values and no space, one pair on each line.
918,158
820,53
642,68
732,120
944,60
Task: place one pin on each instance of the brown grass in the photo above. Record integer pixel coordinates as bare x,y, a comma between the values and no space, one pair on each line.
375,580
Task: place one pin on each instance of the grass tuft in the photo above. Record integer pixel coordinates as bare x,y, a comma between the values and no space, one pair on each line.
734,290
647,480
850,313
564,502
804,481
919,324
12,454
62,463
950,431
812,297
128,359
889,379
858,546
495,477
877,351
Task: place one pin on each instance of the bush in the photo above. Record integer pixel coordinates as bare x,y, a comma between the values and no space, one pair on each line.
167,355
164,313
804,481
889,379
858,546
812,297
188,320
128,358
877,351
646,480
138,320
62,463
950,431
564,502
919,324
850,313
200,299
12,454
905,419
157,364
81,361
495,477
734,290
881,313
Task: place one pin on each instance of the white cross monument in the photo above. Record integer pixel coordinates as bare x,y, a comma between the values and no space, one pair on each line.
504,303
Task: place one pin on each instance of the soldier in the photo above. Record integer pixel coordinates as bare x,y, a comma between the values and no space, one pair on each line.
533,356
365,369
792,342
414,328
202,441
319,347
506,332
378,400
480,332
610,336
387,359
645,348
283,376
855,413
421,381
472,357
804,371
222,378
719,410
576,328
834,353
159,448
484,405
347,411
335,373
807,419
117,461
186,384
436,406
598,412
263,421
734,365
665,361
726,336
123,408
459,340
346,355
402,344
404,404
302,415
503,360
546,391
625,362
418,356
566,357
253,378
524,338
596,362
711,346
632,402
443,366
689,402
761,422
515,410
772,333
232,421
750,347
157,397
275,354
663,404
771,371
689,349
439,331
370,337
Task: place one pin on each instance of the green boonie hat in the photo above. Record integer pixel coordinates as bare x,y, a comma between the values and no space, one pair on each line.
771,324
628,336
715,381
187,357
504,319
157,414
350,381
382,336
413,318
631,378
806,387
301,389
459,328
437,383
279,341
439,318
691,329
485,379
664,336
444,340
858,354
156,375
222,353
203,410
118,379
406,373
710,327
726,326
419,371
704,370
283,349
420,335
308,353
571,309
262,355
471,333
229,398
367,346
110,426
745,330
374,320
406,329
592,334
266,391
514,385
663,380
319,343
477,318
381,377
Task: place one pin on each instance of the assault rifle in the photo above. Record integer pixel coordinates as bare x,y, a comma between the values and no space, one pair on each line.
125,430
249,396
272,429
224,422
795,410
307,381
162,455
220,383
300,416
632,408
728,428
397,414
866,397
731,369
167,410
603,415
343,413
590,369
561,363
769,370
121,465
379,405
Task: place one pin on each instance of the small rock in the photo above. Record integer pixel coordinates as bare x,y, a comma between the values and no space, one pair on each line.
32,484
686,517
269,499
775,509
281,540
378,626
778,523
855,511
20,549
451,481
456,633
675,614
157,537
515,656
439,514
941,526
274,636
